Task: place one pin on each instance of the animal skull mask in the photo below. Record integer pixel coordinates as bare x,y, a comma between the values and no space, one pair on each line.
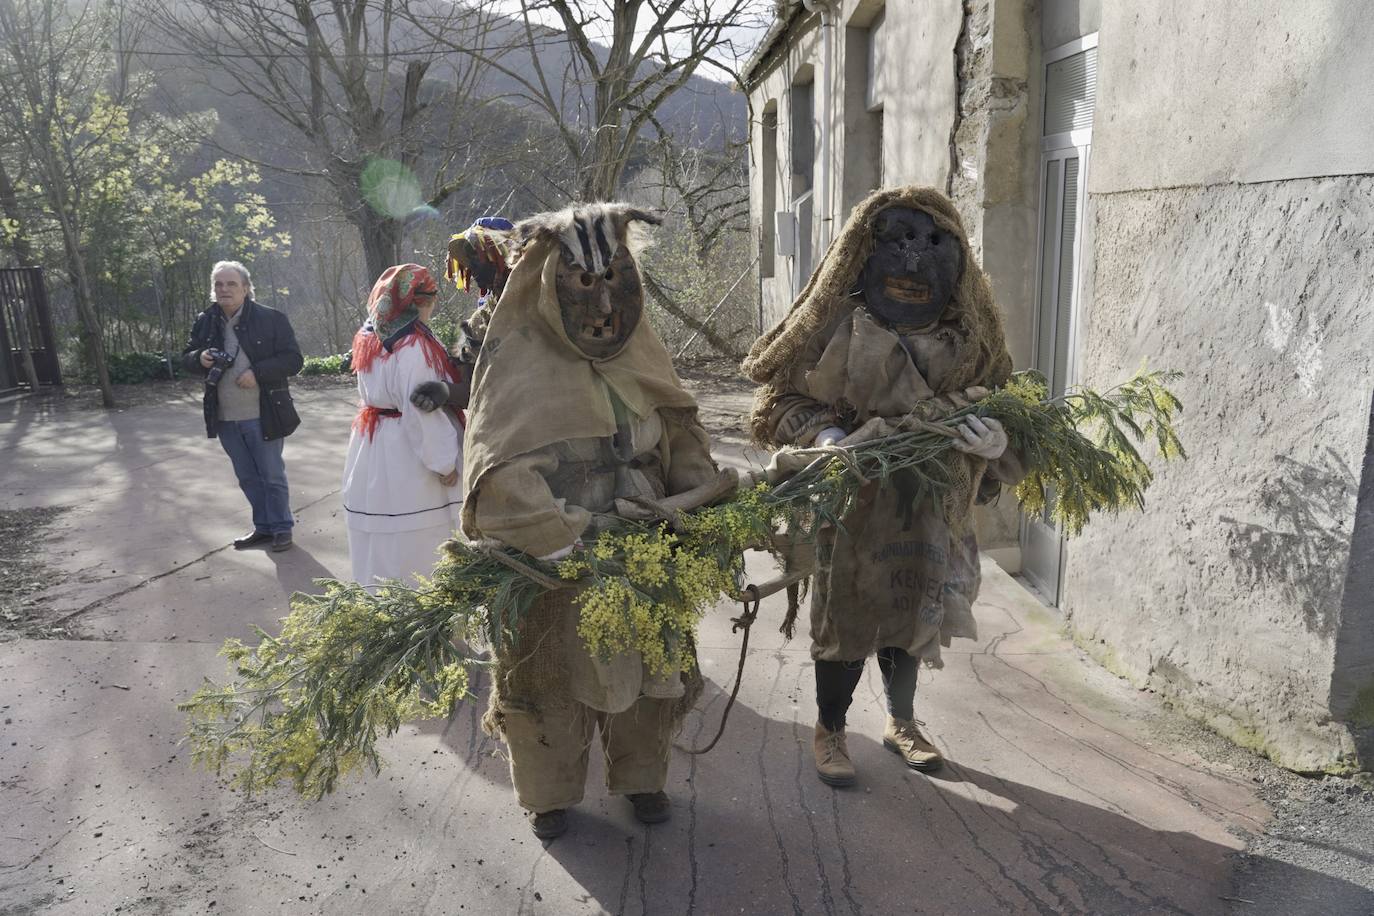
912,273
600,294
600,310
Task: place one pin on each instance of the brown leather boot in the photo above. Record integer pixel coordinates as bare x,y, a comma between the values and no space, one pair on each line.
903,738
832,757
548,825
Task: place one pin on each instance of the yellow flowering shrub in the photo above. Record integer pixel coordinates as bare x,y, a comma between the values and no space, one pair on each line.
351,665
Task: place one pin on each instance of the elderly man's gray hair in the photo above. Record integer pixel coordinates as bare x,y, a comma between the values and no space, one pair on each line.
242,271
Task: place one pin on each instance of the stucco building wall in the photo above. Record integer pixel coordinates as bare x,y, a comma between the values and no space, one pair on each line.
1224,234
1236,252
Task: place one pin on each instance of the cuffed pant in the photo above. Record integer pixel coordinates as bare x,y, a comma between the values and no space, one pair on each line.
549,752
261,471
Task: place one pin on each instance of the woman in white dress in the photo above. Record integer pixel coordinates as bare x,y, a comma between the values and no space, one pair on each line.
400,485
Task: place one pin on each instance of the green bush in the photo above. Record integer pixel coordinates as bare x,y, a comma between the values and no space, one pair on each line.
326,365
447,330
133,368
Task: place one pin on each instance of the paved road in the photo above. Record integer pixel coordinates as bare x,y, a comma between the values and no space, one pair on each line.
1068,792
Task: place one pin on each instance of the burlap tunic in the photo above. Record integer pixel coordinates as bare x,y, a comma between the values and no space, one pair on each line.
893,574
544,500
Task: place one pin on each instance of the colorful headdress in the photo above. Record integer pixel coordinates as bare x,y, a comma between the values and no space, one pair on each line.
390,310
490,239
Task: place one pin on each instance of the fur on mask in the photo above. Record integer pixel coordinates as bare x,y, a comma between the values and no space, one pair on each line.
592,232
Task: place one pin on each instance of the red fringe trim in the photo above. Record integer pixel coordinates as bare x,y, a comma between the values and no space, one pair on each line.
369,418
367,348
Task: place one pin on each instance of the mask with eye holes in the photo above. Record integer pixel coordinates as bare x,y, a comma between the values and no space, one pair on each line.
910,277
600,309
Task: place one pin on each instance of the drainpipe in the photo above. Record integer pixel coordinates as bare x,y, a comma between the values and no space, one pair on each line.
826,84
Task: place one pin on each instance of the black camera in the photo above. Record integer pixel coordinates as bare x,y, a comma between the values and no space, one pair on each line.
221,361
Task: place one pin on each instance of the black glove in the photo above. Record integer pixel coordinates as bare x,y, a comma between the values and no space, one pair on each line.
430,396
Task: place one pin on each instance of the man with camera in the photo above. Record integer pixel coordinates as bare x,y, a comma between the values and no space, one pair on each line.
246,352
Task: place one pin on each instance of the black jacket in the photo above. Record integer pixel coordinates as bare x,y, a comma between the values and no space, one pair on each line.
266,336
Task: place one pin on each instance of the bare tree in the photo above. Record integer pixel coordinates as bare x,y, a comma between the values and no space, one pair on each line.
58,77
693,273
366,87
629,57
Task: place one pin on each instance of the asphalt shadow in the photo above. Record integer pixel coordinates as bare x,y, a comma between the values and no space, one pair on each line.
753,827
297,569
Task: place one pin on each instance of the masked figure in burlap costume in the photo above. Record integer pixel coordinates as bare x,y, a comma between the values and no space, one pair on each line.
479,256
897,322
574,404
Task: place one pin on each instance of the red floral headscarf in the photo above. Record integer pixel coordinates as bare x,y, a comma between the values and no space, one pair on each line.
390,309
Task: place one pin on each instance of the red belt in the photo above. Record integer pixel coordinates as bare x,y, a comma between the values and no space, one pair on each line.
368,417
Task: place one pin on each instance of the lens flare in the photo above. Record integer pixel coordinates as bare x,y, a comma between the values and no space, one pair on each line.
390,188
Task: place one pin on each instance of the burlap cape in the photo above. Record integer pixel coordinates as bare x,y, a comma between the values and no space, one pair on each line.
533,387
830,290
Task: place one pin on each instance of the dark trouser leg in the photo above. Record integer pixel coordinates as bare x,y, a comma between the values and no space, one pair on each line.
899,680
835,683
271,464
234,438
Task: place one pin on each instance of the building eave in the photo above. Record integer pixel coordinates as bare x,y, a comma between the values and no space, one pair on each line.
786,13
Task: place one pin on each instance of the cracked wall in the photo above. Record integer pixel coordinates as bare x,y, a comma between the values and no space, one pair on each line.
1230,204
1226,594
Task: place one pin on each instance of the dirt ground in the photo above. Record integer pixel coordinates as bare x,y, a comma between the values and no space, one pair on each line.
1067,791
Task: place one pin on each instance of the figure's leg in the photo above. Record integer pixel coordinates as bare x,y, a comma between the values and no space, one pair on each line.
903,735
637,744
835,683
548,761
899,670
234,439
271,462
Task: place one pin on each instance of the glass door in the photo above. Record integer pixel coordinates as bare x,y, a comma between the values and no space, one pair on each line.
1070,90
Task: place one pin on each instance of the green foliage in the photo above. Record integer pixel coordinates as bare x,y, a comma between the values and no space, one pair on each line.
133,368
325,365
447,330
310,704
351,666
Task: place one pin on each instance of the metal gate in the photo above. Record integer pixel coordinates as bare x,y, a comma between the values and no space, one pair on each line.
26,323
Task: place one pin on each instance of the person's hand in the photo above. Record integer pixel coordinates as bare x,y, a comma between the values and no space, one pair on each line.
829,436
559,554
784,464
983,437
450,479
205,359
430,396
247,380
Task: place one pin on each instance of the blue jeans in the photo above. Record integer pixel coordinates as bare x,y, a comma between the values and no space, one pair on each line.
261,472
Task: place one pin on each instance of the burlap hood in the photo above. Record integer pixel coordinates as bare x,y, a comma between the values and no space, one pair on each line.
827,295
533,387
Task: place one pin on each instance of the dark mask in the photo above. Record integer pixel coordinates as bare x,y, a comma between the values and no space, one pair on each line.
600,311
486,275
910,277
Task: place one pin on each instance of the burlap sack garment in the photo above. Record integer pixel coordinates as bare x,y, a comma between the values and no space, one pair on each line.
828,295
893,573
531,370
534,391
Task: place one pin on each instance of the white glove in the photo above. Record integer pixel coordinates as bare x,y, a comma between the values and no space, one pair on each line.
559,554
983,437
829,436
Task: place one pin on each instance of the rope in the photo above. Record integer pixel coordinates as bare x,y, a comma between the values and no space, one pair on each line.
742,622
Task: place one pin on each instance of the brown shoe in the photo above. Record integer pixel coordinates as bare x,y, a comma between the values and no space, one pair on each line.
832,757
651,807
904,738
548,825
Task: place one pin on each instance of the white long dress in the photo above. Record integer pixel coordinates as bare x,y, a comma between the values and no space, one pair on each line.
397,509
